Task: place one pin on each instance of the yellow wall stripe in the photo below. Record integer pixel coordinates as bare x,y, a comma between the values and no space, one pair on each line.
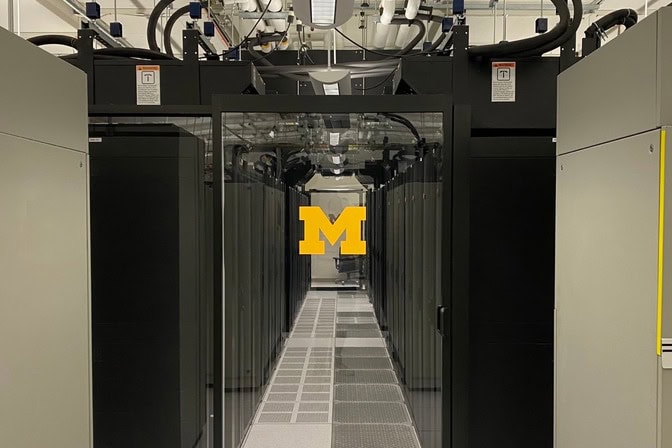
661,244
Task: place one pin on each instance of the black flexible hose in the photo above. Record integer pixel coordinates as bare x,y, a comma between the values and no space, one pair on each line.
153,21
54,39
403,121
571,31
627,17
95,56
530,43
439,40
449,42
140,53
168,29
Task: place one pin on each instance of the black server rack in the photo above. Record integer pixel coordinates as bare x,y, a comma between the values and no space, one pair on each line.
264,286
149,297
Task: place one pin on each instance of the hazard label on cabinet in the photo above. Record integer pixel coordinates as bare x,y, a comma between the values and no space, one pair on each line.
148,85
503,82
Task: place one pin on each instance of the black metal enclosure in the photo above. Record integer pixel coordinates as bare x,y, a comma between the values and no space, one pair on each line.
149,309
196,299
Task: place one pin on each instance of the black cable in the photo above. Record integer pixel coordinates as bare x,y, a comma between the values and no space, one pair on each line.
140,53
404,121
627,17
153,21
387,78
437,42
54,39
530,43
103,57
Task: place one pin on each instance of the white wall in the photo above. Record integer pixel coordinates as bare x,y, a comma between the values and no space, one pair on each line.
332,201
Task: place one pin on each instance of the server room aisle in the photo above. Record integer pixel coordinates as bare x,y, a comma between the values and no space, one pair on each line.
334,385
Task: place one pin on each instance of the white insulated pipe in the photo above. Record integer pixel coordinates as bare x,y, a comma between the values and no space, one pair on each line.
392,36
388,11
275,6
249,5
380,38
412,9
402,36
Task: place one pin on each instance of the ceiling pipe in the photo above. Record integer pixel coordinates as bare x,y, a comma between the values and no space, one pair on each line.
387,11
402,36
412,8
380,37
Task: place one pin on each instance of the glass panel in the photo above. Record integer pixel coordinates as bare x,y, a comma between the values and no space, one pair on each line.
262,294
152,319
274,163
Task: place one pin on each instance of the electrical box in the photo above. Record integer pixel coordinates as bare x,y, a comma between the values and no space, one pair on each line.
116,29
93,10
458,7
446,24
209,29
195,10
541,25
614,244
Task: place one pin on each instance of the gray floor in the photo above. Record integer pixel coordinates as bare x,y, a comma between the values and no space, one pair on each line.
334,385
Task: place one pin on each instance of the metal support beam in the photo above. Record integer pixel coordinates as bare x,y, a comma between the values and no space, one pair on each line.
13,16
99,26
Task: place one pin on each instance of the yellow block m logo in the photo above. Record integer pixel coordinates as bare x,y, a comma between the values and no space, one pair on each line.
349,222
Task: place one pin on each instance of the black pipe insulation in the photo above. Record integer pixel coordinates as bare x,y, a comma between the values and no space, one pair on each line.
449,42
168,29
439,40
95,56
54,39
153,21
101,53
530,43
627,17
139,53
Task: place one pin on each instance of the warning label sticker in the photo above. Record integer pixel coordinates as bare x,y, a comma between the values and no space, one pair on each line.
148,85
503,82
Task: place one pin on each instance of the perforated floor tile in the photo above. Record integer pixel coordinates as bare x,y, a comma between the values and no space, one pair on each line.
354,412
278,407
367,392
358,334
359,342
355,314
365,352
360,363
374,436
365,377
346,327
304,417
275,418
334,386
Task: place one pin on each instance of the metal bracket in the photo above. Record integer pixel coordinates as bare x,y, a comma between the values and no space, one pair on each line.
442,320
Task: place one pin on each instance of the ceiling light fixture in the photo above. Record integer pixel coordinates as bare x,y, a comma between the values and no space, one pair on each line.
323,14
331,82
